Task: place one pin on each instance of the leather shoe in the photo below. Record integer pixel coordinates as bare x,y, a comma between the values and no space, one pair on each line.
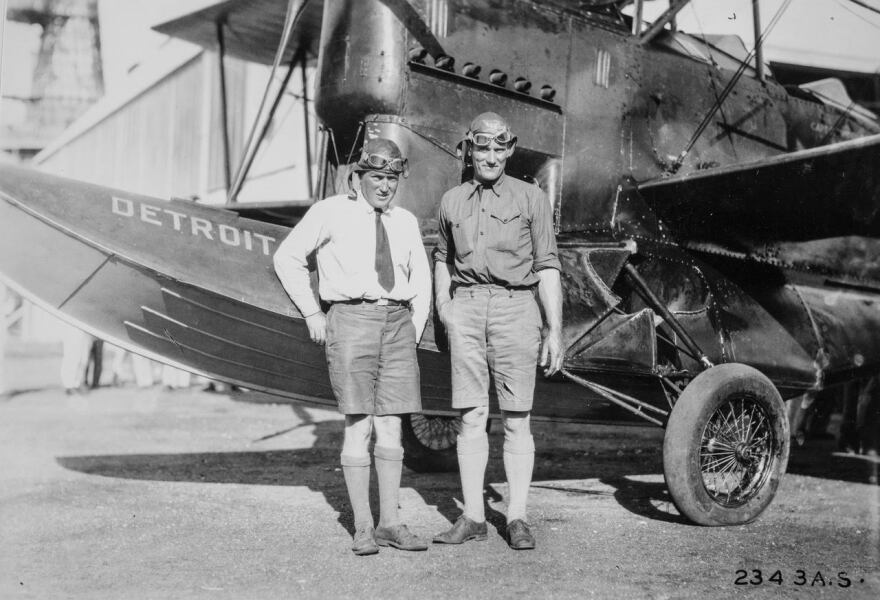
399,537
519,537
463,530
364,542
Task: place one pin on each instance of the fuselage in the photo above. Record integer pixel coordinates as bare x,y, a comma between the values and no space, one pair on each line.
589,102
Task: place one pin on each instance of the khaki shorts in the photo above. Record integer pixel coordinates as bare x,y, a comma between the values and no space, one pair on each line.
494,333
371,358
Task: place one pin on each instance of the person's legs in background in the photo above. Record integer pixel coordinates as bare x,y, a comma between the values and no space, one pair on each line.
74,358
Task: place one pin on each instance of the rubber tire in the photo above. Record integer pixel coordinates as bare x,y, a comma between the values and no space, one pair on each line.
684,431
422,458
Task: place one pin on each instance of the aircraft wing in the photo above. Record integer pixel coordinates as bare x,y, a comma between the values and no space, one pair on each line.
817,193
252,28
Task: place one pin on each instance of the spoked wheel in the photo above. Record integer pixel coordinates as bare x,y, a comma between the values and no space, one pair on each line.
726,446
429,442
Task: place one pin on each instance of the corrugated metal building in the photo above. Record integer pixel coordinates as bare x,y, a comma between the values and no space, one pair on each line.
162,137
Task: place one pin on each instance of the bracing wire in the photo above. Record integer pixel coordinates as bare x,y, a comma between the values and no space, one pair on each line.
729,87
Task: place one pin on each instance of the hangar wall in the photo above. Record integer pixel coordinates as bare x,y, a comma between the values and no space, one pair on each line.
162,137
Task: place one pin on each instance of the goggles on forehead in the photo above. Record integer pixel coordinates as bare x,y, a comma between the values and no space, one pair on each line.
484,140
377,161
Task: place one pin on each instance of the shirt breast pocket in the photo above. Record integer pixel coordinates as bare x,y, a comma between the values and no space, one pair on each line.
506,231
462,236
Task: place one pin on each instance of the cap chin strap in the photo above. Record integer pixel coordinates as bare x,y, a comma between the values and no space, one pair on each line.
349,180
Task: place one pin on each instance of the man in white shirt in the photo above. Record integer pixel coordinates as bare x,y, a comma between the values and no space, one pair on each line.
374,273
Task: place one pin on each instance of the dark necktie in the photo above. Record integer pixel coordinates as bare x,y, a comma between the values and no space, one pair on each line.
384,266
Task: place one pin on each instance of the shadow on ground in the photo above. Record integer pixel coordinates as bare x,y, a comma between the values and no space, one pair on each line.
560,458
820,458
618,458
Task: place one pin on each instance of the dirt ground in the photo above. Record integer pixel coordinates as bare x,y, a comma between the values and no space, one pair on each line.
149,493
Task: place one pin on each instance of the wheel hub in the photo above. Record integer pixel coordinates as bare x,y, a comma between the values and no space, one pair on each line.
743,453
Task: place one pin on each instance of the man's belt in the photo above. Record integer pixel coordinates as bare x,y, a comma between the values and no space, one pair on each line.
377,302
511,288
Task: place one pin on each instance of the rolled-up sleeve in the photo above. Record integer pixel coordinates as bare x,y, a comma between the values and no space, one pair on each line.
291,264
441,250
545,254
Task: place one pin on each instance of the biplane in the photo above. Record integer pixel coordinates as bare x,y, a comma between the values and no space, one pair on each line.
703,214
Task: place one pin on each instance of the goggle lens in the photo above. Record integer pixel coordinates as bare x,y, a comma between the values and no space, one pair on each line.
484,140
377,161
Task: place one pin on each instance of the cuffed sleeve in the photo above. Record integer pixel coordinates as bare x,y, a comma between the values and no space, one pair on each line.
545,253
441,250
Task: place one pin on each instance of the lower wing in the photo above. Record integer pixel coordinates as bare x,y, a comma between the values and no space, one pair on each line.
817,193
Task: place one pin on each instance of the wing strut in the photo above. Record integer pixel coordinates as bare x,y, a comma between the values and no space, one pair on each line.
295,10
637,18
224,107
307,128
866,6
759,40
659,24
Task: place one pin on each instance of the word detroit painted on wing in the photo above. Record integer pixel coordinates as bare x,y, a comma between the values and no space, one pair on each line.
162,217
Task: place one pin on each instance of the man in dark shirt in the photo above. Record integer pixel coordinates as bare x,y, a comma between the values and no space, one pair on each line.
496,246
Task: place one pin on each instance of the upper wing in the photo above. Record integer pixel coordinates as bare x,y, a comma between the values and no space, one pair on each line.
252,29
822,192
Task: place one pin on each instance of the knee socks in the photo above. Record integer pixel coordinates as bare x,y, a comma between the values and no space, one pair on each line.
473,454
356,470
519,460
389,463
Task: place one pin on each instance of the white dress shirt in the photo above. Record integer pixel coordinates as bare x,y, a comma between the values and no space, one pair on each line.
343,231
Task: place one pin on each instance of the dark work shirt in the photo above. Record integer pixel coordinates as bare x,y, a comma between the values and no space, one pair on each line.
501,234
